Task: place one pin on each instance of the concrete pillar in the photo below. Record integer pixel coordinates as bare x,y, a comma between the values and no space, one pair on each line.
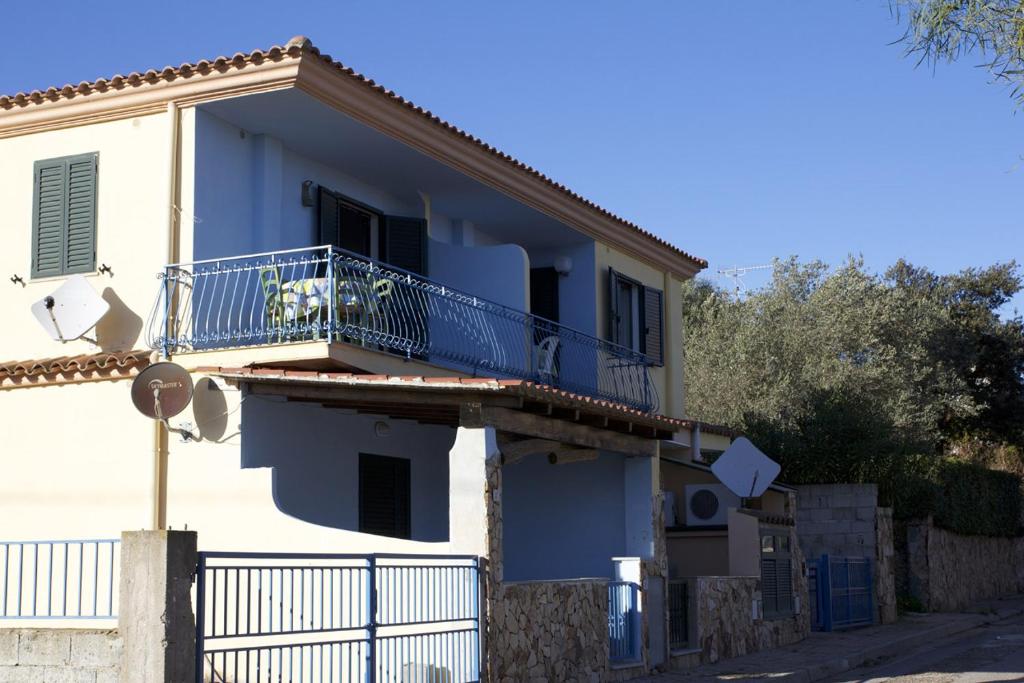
640,484
156,621
474,494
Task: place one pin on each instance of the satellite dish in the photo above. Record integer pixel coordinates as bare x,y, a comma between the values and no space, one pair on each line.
71,311
745,470
162,390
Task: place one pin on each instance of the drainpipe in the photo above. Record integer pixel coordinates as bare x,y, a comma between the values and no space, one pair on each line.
159,490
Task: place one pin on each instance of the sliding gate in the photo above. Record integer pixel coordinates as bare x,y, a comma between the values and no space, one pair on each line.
324,618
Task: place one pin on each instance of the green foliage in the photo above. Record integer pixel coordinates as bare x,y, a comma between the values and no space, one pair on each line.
947,30
849,376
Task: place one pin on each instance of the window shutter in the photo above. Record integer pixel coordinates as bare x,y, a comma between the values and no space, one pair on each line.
613,306
80,240
405,243
653,336
384,496
48,217
329,219
785,585
769,587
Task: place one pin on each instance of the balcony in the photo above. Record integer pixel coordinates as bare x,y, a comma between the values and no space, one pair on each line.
330,295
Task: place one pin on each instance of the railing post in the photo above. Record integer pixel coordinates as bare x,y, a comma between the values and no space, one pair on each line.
332,295
371,624
200,615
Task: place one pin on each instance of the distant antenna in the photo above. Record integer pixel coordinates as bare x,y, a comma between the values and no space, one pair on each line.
736,273
71,311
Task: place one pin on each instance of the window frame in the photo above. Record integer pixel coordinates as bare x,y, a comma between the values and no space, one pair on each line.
781,558
402,528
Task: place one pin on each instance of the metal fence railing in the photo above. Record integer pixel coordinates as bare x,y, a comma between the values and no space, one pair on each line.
845,592
59,579
325,293
678,614
623,621
265,617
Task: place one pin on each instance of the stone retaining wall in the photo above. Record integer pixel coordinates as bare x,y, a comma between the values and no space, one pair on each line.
549,631
39,655
948,572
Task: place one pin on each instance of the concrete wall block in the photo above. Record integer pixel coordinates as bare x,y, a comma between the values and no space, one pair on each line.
51,648
68,674
96,649
107,676
8,648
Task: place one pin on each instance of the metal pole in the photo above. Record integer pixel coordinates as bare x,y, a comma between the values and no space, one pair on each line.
200,615
371,625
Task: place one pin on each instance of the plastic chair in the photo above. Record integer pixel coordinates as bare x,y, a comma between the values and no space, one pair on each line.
270,281
547,369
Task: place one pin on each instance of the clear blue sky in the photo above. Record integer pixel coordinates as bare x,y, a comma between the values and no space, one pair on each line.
740,131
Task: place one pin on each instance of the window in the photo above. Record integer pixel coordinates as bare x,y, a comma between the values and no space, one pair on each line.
357,228
384,496
64,216
776,574
635,316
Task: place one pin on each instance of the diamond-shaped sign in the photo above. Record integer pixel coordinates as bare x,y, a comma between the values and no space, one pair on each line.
745,470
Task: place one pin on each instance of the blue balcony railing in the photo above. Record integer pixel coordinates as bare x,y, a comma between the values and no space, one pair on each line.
328,294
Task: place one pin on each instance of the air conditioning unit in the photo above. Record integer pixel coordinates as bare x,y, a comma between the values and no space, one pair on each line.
708,504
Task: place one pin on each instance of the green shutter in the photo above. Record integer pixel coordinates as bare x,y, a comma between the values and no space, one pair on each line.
80,240
652,332
613,306
406,243
48,207
64,216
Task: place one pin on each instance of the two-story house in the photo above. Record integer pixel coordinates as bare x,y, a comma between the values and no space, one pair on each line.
402,340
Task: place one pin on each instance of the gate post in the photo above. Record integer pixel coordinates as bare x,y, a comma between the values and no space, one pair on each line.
200,616
156,620
825,591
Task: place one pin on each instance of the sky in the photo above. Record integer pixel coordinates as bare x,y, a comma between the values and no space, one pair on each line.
739,131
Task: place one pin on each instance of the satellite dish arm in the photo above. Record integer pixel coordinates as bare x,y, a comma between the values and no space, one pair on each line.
50,303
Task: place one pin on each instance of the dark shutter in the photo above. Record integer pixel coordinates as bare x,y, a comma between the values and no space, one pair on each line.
652,325
613,306
48,207
80,240
769,587
405,243
544,293
329,219
384,496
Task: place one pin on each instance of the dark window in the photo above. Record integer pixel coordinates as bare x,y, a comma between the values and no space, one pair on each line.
635,316
776,574
544,293
64,216
384,496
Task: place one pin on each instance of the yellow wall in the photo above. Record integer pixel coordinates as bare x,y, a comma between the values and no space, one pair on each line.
669,378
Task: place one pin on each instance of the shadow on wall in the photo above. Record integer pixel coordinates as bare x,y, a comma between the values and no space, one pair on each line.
119,329
314,452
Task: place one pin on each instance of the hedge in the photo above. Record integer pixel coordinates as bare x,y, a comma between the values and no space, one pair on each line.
962,497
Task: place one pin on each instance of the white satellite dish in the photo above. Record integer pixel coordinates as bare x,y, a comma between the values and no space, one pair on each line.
745,470
71,311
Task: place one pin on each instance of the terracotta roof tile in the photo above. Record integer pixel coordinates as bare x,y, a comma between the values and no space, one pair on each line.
524,388
296,48
20,373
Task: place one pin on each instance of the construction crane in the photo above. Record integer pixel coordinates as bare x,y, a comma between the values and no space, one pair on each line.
736,273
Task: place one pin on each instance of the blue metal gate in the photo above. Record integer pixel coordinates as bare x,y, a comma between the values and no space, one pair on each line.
843,593
329,618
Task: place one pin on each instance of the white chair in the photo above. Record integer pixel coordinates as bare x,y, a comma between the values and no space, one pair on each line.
547,370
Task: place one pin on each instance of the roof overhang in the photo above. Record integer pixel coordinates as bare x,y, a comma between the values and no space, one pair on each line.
300,65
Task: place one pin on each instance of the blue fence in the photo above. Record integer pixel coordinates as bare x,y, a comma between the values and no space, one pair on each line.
337,618
844,592
623,621
325,293
60,579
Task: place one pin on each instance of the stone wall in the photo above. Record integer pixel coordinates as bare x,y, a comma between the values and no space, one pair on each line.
838,519
549,631
948,572
725,614
885,567
39,655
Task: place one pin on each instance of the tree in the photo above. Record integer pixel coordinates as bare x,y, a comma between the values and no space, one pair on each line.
946,30
847,375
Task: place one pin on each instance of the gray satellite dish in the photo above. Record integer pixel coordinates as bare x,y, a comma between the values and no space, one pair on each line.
162,390
71,311
745,470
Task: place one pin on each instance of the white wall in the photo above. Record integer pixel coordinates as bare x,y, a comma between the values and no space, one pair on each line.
498,273
563,521
576,291
284,477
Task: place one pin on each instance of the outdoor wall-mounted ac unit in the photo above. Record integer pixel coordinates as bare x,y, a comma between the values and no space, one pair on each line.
708,504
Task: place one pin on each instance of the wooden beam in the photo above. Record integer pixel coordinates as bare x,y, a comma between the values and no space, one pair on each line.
514,451
541,427
570,455
368,393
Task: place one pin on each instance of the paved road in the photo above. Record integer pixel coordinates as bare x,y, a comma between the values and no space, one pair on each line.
989,653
